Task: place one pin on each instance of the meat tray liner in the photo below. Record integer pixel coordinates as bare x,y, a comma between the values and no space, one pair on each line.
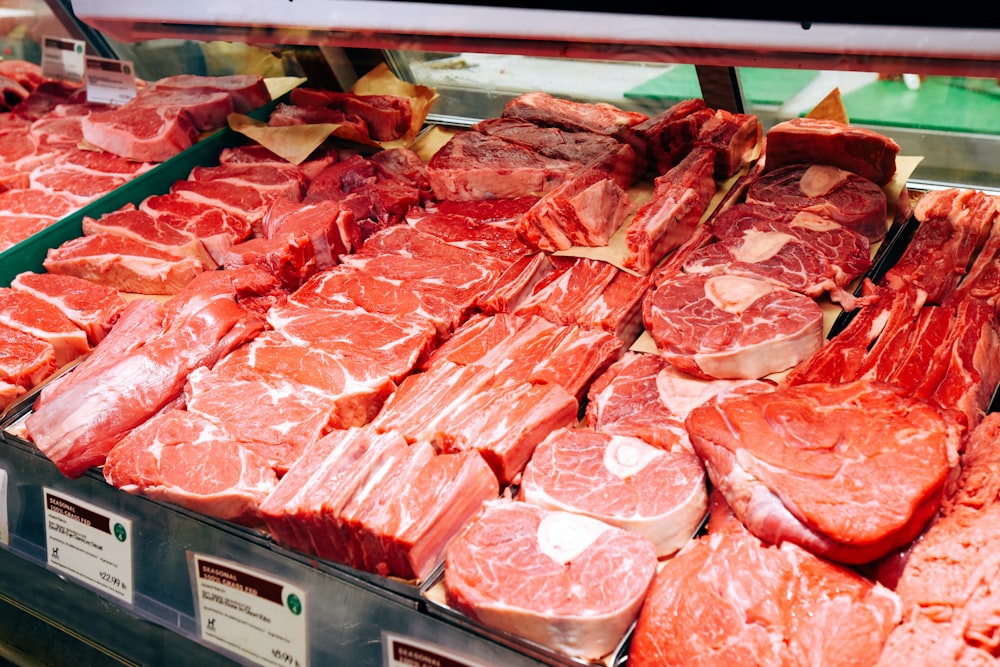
28,255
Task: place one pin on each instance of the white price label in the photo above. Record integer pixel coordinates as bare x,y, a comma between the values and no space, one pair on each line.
89,544
251,614
399,651
63,59
110,81
4,523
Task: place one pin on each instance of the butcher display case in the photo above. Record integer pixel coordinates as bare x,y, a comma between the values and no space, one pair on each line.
89,570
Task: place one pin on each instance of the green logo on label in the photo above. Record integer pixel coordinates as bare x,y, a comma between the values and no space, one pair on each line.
127,69
79,48
120,532
294,604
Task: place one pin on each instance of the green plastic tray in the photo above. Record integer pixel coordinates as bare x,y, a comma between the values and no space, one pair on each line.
28,255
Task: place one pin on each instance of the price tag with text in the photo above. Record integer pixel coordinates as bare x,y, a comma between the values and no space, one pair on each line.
4,522
109,81
63,59
89,543
400,651
250,613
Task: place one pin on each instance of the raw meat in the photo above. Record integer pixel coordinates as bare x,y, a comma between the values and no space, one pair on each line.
209,111
838,195
239,199
387,117
730,599
598,117
496,239
143,229
216,228
621,480
123,263
584,211
43,320
331,229
563,581
92,307
403,523
679,200
680,393
590,150
664,139
248,91
731,326
25,361
273,416
472,165
181,458
625,400
821,141
953,225
801,251
78,425
734,138
144,134
466,407
811,464
276,180
949,585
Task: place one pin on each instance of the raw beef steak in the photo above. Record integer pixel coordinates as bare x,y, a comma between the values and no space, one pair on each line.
544,109
566,582
93,307
248,91
181,458
731,326
836,194
144,134
209,111
809,464
821,141
45,321
621,480
25,360
730,599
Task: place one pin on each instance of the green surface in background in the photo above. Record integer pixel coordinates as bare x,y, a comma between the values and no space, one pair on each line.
760,85
946,103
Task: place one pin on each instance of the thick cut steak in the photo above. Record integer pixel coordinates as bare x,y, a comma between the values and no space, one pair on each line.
822,141
731,326
568,582
138,225
123,263
209,111
802,251
621,480
839,195
145,134
25,360
248,91
849,471
39,318
730,599
92,307
386,117
179,457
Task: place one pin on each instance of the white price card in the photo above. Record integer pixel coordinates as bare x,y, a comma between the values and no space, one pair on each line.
250,613
399,651
63,59
109,81
4,523
89,543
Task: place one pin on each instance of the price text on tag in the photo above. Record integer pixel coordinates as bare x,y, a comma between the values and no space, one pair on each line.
110,81
89,544
63,59
251,614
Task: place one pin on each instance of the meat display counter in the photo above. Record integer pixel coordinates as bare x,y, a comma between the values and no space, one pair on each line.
136,581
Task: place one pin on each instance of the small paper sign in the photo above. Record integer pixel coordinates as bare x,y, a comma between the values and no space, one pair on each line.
399,651
110,81
63,59
250,613
89,544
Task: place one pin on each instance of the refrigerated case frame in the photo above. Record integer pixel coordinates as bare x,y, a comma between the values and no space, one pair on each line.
350,610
